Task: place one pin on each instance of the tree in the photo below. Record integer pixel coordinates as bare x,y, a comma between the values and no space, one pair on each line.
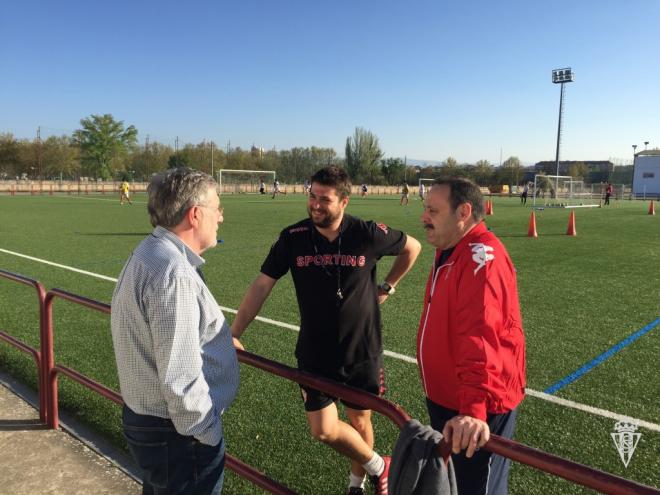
103,141
511,171
60,157
149,159
9,156
578,170
394,171
363,156
450,168
178,160
483,173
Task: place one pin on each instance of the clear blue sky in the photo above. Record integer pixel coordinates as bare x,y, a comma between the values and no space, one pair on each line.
431,79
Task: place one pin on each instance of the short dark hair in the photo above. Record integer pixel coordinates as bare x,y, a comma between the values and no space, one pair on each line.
173,192
336,177
461,191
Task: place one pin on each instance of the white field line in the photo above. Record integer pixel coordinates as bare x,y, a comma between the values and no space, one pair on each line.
402,357
65,267
593,410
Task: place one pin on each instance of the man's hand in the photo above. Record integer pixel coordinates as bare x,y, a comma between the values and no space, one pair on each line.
466,432
382,296
237,344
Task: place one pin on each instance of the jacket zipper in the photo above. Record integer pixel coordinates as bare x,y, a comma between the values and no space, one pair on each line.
426,317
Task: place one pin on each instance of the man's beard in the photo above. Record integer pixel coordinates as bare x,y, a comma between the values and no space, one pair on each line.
326,222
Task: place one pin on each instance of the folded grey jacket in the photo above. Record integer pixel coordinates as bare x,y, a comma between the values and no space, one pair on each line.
417,468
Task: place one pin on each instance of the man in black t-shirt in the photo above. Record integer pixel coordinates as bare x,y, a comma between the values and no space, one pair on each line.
332,258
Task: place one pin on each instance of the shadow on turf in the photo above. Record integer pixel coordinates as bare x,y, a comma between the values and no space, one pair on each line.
143,234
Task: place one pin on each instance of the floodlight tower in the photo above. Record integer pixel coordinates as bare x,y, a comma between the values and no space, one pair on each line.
560,76
632,191
646,143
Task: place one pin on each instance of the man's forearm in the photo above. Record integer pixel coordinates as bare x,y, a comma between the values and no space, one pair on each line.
404,261
251,305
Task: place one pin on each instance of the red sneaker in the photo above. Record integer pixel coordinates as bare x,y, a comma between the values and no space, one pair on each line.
380,482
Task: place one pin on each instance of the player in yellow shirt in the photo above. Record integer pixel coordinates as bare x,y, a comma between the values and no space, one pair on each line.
124,193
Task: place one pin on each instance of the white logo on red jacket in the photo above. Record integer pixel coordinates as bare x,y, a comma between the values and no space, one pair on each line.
481,254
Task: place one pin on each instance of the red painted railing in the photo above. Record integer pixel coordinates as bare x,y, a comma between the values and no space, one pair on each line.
572,471
52,371
41,294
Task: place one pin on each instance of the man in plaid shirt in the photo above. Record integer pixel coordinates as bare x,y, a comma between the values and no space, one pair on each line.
176,362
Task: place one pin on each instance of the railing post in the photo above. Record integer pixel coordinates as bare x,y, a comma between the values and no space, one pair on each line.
47,364
43,393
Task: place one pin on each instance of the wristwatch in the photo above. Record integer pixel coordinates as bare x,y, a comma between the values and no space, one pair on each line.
387,288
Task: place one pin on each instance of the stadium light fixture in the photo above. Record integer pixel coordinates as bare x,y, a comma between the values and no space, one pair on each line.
646,143
560,76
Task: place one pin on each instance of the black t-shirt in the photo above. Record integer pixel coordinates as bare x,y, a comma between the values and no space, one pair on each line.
335,331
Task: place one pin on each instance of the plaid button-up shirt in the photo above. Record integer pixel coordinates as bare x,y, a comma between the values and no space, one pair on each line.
174,351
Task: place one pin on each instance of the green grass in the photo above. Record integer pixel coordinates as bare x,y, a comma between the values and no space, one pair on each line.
579,296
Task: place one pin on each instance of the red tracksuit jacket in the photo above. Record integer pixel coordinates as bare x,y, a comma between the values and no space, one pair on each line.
470,343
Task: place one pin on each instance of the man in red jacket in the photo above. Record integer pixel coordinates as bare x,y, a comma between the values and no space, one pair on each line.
470,344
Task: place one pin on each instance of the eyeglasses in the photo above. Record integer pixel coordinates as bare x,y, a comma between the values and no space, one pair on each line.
218,208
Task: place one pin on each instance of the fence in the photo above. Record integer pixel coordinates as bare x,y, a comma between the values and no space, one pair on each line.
51,187
48,370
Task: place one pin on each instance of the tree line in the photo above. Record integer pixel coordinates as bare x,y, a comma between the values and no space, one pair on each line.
104,148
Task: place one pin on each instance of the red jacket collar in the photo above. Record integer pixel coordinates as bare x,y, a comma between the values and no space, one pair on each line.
475,232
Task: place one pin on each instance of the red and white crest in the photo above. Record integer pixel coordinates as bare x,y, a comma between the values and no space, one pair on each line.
382,227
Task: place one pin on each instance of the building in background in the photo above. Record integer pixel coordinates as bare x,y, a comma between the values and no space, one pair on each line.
646,175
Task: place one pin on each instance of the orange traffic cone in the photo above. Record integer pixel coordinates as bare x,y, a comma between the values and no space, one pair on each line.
652,208
571,225
531,231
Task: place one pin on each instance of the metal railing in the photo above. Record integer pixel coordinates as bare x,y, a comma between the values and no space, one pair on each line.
36,355
49,370
52,370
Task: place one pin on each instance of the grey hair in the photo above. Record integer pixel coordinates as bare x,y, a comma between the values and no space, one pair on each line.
173,192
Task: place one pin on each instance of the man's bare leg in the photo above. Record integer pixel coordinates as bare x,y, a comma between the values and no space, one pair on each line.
360,420
326,427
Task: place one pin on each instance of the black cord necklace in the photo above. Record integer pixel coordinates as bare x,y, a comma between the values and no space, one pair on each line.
340,295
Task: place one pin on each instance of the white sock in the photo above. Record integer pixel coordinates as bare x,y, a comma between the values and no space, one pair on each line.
375,466
355,480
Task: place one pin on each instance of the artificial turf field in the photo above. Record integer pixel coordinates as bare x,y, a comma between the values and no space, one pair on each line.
580,296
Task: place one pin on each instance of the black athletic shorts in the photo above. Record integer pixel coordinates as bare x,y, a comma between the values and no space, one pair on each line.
368,376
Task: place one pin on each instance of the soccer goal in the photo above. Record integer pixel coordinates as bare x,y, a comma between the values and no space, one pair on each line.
244,181
561,191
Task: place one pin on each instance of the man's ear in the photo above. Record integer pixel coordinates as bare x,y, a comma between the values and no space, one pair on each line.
464,211
344,201
192,216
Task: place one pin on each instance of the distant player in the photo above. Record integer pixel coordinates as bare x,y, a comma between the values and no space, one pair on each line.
307,187
124,193
363,190
422,191
262,187
523,195
276,188
404,194
608,193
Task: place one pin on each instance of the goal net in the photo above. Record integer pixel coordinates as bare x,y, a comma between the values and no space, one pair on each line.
245,181
561,191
